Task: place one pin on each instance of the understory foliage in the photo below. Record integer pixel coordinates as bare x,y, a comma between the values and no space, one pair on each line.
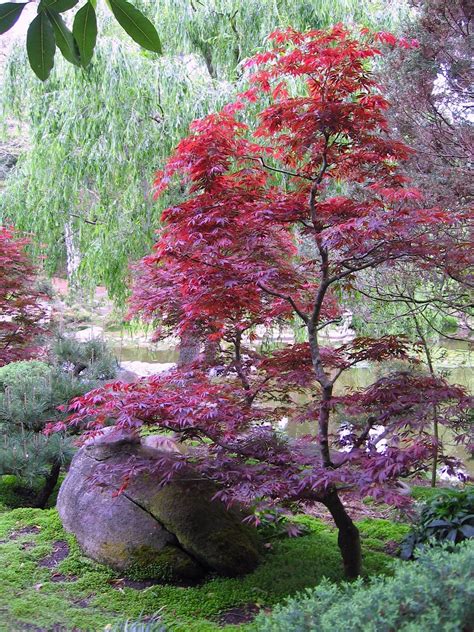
30,394
279,217
21,305
446,518
434,593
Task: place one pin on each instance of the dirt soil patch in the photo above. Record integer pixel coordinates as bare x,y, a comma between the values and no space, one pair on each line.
136,584
59,578
30,627
59,553
238,615
355,508
14,535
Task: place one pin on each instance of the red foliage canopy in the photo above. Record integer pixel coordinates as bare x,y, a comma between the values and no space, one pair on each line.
21,309
277,217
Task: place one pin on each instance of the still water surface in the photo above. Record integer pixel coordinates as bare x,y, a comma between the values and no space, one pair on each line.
457,366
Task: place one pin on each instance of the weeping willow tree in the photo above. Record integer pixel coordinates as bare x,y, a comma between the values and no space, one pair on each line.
96,136
224,32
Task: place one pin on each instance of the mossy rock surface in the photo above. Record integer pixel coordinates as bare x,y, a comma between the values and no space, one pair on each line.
177,533
214,536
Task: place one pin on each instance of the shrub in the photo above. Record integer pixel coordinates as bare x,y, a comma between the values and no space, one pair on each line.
31,370
434,593
26,406
30,393
91,360
446,517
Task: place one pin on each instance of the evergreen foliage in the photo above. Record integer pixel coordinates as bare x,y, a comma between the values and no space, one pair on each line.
30,394
91,360
434,593
15,372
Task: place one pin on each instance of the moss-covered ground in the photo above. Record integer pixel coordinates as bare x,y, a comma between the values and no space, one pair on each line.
75,594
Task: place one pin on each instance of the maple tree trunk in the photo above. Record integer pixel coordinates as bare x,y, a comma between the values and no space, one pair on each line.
189,348
210,351
434,466
348,538
429,361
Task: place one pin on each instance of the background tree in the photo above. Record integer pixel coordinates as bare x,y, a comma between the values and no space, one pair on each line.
428,307
83,184
227,260
430,90
430,87
22,306
224,33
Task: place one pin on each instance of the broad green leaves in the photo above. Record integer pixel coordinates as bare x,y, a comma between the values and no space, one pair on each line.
49,29
85,32
41,45
140,29
64,38
9,14
58,5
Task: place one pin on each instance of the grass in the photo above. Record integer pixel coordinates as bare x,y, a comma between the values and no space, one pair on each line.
91,598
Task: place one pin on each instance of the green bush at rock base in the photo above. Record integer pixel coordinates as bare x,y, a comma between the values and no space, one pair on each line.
435,593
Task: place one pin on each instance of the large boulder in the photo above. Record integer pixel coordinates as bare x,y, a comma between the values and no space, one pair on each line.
174,533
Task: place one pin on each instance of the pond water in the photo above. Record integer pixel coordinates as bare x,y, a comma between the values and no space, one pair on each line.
456,361
459,370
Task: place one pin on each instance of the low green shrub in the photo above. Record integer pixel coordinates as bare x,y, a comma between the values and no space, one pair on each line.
421,493
435,593
446,517
91,360
31,370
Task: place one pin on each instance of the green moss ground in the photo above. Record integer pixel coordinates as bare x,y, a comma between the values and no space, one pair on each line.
91,602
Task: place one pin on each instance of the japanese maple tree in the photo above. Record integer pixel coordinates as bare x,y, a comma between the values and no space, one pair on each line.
279,216
21,306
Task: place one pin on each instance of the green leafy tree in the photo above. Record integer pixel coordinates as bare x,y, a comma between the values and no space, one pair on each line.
49,30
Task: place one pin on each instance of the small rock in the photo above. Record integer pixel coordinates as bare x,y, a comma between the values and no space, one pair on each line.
89,333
